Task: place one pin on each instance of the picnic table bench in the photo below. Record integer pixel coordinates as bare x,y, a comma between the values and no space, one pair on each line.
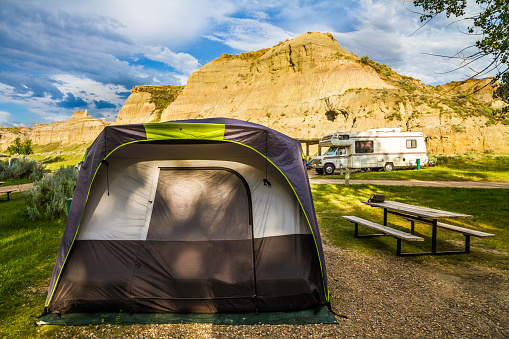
414,214
399,235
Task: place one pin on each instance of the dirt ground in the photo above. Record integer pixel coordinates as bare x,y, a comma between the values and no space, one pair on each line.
383,297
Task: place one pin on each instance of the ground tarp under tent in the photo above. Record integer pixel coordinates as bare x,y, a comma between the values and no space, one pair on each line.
196,216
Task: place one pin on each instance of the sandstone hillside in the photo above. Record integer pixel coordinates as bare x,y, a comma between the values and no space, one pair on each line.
308,87
146,103
80,128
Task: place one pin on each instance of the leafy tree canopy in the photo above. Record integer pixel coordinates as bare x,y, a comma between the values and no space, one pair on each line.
491,24
18,147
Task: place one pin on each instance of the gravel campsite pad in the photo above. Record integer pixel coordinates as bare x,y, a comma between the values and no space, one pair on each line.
383,297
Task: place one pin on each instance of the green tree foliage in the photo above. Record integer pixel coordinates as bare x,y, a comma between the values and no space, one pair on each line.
491,24
18,147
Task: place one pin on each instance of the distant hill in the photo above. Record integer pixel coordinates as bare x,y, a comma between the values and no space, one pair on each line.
310,86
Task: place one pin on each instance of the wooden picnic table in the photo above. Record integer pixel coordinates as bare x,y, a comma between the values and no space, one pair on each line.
6,190
428,216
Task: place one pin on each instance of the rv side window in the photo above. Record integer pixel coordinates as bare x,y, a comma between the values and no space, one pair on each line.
411,143
364,146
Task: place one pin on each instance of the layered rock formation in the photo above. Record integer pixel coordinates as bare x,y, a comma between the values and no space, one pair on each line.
482,89
310,86
307,87
146,103
80,128
288,87
7,135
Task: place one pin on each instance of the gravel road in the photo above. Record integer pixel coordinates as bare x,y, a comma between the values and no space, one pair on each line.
461,184
22,187
314,180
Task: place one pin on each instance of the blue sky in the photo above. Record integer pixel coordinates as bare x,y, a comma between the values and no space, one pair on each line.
61,56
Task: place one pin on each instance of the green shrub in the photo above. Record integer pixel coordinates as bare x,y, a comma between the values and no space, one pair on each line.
18,147
47,198
21,168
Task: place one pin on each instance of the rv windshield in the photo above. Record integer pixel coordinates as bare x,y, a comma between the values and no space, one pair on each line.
331,151
336,151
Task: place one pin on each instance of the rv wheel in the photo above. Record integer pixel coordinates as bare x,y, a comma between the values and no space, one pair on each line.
328,169
388,166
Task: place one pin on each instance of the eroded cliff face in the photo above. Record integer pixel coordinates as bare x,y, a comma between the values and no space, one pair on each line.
286,86
80,128
7,135
306,87
310,86
146,103
137,109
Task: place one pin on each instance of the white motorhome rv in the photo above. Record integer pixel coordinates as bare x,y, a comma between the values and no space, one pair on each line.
385,148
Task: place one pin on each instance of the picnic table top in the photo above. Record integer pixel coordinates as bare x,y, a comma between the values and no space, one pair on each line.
416,210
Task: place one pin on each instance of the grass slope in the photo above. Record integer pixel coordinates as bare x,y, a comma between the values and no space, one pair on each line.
55,155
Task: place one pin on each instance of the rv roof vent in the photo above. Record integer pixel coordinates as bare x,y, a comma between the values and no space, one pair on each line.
385,130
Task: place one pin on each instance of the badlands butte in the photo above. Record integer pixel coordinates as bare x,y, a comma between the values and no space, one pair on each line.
306,87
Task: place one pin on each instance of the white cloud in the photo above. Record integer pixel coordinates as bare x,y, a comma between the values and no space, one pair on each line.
182,62
250,34
89,90
5,117
384,33
169,22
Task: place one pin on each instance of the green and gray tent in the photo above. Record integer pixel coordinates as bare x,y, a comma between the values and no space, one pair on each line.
196,216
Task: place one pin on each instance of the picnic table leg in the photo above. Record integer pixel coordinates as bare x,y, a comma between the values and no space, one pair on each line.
8,196
385,216
412,227
434,237
467,243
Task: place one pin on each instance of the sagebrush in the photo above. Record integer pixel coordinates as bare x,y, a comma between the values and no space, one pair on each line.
21,168
47,198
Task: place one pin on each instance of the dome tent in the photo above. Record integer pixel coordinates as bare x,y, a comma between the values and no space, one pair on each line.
198,216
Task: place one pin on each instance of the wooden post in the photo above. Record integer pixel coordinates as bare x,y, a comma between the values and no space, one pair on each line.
347,177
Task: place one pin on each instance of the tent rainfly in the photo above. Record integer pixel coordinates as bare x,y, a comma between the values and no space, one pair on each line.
195,216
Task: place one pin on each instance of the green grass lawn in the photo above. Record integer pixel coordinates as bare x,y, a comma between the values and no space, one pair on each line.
473,167
27,254
488,206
